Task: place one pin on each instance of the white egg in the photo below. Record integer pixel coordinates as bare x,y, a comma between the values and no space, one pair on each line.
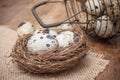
113,9
62,40
42,42
25,28
66,27
104,27
94,7
66,38
46,31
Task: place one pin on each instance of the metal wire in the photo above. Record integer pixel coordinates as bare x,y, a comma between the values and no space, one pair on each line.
79,13
73,7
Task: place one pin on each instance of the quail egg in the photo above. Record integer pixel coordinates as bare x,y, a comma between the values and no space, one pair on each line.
25,28
66,27
88,26
104,27
46,31
113,9
94,7
66,38
42,42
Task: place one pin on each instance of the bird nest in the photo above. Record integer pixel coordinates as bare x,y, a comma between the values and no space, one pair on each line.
49,61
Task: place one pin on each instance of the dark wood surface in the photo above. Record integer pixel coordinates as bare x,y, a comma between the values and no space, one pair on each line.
111,49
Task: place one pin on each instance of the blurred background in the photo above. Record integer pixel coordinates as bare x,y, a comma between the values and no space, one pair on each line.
13,12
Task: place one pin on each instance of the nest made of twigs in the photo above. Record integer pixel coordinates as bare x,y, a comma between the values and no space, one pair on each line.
49,61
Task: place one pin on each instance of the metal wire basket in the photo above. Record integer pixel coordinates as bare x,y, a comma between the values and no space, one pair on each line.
95,17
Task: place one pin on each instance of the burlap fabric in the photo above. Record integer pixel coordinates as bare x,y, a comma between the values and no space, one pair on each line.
88,68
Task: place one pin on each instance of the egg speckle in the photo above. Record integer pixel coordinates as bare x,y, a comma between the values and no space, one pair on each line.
50,37
48,45
41,37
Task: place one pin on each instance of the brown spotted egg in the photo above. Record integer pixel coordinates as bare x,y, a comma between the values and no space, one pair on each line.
113,9
66,27
104,27
42,42
67,38
94,7
46,31
25,28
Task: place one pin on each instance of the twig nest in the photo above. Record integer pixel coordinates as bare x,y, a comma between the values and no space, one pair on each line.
94,7
104,27
49,61
25,28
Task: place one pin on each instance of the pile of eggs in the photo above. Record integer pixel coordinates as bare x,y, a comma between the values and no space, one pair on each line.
47,39
107,14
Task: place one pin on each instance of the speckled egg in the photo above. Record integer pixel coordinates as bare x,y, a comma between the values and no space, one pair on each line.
25,28
87,27
94,7
66,27
46,31
42,42
67,38
104,27
113,9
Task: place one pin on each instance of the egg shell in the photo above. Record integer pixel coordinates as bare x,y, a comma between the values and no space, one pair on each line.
66,38
46,31
87,27
69,35
94,7
42,42
66,27
25,28
113,9
104,27
62,40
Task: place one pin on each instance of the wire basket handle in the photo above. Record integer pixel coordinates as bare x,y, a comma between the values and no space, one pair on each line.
39,19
